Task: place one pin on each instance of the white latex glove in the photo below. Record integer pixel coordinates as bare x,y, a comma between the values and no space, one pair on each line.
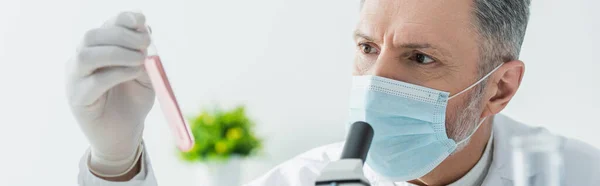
110,93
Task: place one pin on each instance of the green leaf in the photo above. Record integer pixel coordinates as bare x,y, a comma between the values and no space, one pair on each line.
220,134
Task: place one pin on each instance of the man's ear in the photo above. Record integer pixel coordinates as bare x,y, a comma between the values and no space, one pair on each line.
502,86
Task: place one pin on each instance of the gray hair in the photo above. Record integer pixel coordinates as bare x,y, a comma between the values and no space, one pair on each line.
501,26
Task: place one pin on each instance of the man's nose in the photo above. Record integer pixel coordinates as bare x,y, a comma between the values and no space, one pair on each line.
387,66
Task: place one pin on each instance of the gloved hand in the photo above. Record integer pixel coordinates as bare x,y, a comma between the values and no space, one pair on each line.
110,93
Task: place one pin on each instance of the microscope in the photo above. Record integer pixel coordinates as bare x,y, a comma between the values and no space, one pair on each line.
348,171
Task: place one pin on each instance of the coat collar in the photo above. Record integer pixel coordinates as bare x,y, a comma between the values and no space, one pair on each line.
501,170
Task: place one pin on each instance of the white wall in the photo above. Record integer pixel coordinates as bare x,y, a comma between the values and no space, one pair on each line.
289,61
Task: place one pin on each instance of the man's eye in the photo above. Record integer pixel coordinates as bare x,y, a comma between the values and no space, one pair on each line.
422,58
367,49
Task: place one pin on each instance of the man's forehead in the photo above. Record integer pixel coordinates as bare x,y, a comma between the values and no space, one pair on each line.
444,24
431,12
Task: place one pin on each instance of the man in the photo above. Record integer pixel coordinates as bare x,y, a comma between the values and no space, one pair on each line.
430,76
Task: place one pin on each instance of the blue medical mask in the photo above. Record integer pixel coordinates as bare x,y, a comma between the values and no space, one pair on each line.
409,123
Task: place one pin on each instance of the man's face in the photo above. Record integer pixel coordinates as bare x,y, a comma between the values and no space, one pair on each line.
431,43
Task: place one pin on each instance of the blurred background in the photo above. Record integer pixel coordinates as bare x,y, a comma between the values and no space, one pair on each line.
287,61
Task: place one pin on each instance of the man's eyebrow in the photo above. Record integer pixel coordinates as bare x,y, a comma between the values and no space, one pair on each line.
359,34
441,51
416,45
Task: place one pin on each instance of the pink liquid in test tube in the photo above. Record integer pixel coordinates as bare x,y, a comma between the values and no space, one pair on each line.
167,101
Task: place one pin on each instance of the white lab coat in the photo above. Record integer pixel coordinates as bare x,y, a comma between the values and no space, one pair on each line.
581,164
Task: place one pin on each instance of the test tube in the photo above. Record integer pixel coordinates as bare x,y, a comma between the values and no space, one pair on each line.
164,94
539,150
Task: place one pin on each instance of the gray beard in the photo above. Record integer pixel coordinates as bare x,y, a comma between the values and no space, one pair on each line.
466,118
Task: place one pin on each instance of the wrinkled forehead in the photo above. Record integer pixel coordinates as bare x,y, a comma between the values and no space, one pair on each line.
446,23
421,10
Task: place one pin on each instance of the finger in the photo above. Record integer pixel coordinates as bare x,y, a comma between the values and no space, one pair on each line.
89,59
117,36
144,79
92,87
130,20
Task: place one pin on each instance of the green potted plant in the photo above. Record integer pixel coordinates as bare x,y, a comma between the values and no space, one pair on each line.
222,139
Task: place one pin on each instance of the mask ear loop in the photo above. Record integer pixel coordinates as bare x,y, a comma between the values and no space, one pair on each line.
476,83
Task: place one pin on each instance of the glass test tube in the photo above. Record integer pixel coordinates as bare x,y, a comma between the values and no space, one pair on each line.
166,99
540,152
